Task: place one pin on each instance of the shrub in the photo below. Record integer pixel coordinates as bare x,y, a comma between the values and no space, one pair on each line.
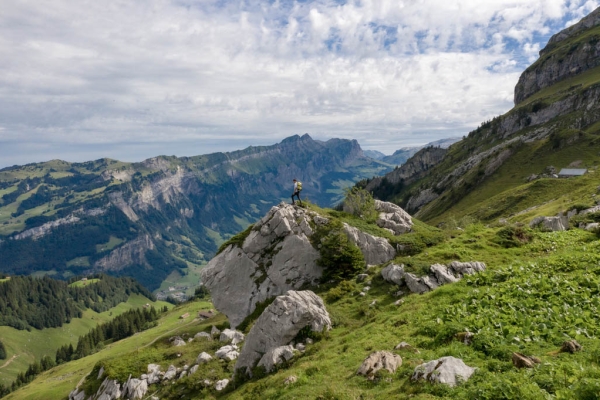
513,236
360,203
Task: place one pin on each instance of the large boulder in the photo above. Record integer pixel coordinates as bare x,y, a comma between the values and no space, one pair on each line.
375,250
393,273
550,224
378,361
446,370
279,324
227,353
393,217
461,269
153,375
277,256
203,358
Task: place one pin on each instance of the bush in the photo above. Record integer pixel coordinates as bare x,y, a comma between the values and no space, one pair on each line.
340,258
360,203
513,236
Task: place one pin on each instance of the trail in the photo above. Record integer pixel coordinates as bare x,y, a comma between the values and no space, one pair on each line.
7,363
166,333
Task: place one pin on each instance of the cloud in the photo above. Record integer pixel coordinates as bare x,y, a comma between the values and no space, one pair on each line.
94,78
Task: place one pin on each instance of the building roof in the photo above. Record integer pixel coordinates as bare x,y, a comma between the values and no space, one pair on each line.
572,172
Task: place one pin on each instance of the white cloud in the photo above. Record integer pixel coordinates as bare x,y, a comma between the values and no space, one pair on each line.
96,77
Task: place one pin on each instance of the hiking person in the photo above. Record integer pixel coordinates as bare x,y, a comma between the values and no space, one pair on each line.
297,190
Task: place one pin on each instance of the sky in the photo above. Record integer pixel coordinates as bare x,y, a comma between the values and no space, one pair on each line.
132,79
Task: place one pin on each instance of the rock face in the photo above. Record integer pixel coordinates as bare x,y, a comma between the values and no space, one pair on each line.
554,66
376,250
393,217
446,370
550,224
280,323
109,390
439,275
132,252
135,389
275,257
276,356
421,199
378,361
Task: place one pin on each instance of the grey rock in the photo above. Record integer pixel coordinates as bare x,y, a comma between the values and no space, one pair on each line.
276,356
280,323
290,380
362,277
109,390
447,370
423,198
393,217
377,361
178,342
594,226
591,210
393,273
366,288
460,269
230,335
214,331
399,302
100,373
362,294
309,341
170,374
375,250
430,282
203,358
407,347
203,336
153,374
194,369
183,374
550,224
222,384
415,284
227,353
135,389
279,243
300,347
442,274
77,395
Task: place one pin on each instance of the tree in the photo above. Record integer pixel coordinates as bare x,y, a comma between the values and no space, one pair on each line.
360,203
2,351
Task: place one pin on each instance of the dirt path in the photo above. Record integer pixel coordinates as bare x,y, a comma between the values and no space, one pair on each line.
169,332
7,363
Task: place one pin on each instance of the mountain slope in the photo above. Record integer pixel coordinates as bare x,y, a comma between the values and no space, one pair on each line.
555,123
165,214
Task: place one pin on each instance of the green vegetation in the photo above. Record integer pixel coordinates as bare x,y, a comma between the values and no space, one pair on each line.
2,351
82,283
236,240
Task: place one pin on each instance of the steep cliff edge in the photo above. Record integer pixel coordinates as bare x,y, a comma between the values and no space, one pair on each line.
568,53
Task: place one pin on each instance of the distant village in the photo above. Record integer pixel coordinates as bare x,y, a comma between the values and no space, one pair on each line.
175,292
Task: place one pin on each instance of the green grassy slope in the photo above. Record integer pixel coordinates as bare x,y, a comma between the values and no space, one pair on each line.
28,346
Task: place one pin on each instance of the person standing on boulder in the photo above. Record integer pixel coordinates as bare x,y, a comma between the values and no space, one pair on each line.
297,190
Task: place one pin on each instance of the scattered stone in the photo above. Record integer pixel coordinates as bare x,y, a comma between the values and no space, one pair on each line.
300,347
290,380
571,346
377,361
183,374
406,347
362,277
190,340
447,370
594,226
109,389
178,342
366,288
309,341
373,303
101,372
203,358
227,353
194,369
442,274
135,389
362,294
522,361
393,273
399,293
460,269
398,302
222,384
279,324
233,336
153,375
276,356
203,336
415,284
207,383
170,374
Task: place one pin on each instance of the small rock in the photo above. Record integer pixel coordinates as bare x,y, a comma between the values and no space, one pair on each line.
393,273
190,340
207,383
230,335
398,302
571,346
227,353
203,358
447,370
465,337
407,347
203,336
222,384
399,293
186,367
309,341
366,288
362,277
522,361
377,361
170,374
194,369
290,379
183,374
362,294
178,342
373,303
300,347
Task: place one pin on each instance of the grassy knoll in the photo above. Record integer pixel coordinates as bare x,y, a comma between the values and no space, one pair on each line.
29,346
59,381
111,244
81,283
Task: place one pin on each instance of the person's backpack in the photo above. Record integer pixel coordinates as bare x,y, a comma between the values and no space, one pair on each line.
299,186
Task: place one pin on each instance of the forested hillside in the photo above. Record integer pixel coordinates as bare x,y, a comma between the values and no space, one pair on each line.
27,302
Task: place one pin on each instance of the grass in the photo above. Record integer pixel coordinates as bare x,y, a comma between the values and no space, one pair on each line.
79,261
113,242
29,346
81,283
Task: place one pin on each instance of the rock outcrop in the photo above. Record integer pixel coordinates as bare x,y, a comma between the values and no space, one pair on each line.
132,252
439,275
135,389
447,370
375,250
393,217
378,361
550,224
276,356
279,324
